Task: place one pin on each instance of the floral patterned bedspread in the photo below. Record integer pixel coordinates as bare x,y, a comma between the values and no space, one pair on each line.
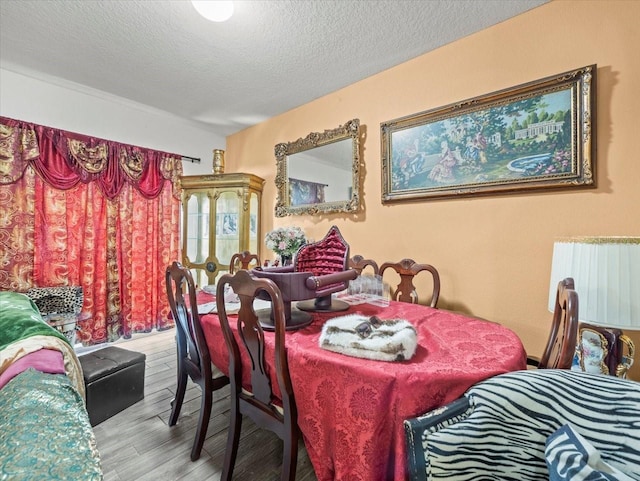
45,431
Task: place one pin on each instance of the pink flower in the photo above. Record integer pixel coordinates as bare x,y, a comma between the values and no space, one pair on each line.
285,240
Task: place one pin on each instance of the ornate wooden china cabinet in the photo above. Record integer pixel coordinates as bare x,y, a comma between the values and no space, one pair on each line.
220,216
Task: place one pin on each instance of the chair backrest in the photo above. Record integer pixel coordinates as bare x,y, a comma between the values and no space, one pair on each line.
251,336
561,345
243,258
359,263
408,269
326,256
192,345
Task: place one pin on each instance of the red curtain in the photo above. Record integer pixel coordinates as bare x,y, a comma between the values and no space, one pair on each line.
82,211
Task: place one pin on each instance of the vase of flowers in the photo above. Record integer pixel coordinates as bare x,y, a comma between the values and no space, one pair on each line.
285,241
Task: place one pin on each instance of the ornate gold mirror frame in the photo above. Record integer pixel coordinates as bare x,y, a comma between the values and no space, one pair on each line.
319,174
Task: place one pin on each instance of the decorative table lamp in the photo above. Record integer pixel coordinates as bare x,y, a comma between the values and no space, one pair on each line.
606,271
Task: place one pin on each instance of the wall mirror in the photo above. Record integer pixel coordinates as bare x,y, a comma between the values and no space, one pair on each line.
319,174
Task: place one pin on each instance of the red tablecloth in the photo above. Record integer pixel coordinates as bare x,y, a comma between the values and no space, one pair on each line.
351,410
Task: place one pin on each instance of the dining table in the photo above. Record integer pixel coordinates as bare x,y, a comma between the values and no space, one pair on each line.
351,410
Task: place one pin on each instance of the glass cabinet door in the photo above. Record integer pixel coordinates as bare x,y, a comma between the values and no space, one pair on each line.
220,216
198,227
196,238
228,222
254,222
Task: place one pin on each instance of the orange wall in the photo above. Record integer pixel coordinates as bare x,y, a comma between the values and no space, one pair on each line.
493,253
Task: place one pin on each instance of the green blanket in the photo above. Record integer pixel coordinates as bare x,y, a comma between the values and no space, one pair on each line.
20,319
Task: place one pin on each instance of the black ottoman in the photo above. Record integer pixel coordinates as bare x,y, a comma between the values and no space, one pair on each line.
113,379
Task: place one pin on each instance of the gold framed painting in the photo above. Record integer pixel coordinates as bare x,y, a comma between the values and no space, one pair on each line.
539,135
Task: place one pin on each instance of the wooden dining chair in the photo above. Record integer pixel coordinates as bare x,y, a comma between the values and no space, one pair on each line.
194,360
359,263
244,259
407,269
561,345
258,400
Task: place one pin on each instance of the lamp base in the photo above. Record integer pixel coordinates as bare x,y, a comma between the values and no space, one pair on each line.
603,350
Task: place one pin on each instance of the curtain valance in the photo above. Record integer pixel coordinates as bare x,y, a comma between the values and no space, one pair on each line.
62,159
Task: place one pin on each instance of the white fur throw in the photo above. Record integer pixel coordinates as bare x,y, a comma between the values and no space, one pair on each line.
381,340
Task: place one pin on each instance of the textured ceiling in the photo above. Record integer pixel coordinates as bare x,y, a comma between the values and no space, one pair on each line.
271,56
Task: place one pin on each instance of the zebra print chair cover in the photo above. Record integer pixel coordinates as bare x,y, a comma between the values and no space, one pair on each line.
498,429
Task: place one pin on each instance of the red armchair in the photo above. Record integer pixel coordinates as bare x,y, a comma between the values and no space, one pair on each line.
318,270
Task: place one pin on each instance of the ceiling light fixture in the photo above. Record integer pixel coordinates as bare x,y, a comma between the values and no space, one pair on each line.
214,10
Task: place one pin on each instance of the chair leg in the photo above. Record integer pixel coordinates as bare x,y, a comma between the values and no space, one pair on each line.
233,437
203,422
176,404
290,455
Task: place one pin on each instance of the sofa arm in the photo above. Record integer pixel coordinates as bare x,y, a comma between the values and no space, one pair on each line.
417,429
511,416
316,282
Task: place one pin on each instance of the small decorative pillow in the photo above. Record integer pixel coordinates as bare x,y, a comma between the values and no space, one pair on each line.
570,457
57,300
370,337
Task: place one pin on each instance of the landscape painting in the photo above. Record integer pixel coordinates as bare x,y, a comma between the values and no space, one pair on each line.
538,135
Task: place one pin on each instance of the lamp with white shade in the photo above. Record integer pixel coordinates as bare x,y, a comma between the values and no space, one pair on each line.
606,272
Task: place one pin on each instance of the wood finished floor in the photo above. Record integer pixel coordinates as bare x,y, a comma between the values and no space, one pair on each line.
138,445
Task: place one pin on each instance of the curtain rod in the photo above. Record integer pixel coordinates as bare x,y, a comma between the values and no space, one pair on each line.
195,160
